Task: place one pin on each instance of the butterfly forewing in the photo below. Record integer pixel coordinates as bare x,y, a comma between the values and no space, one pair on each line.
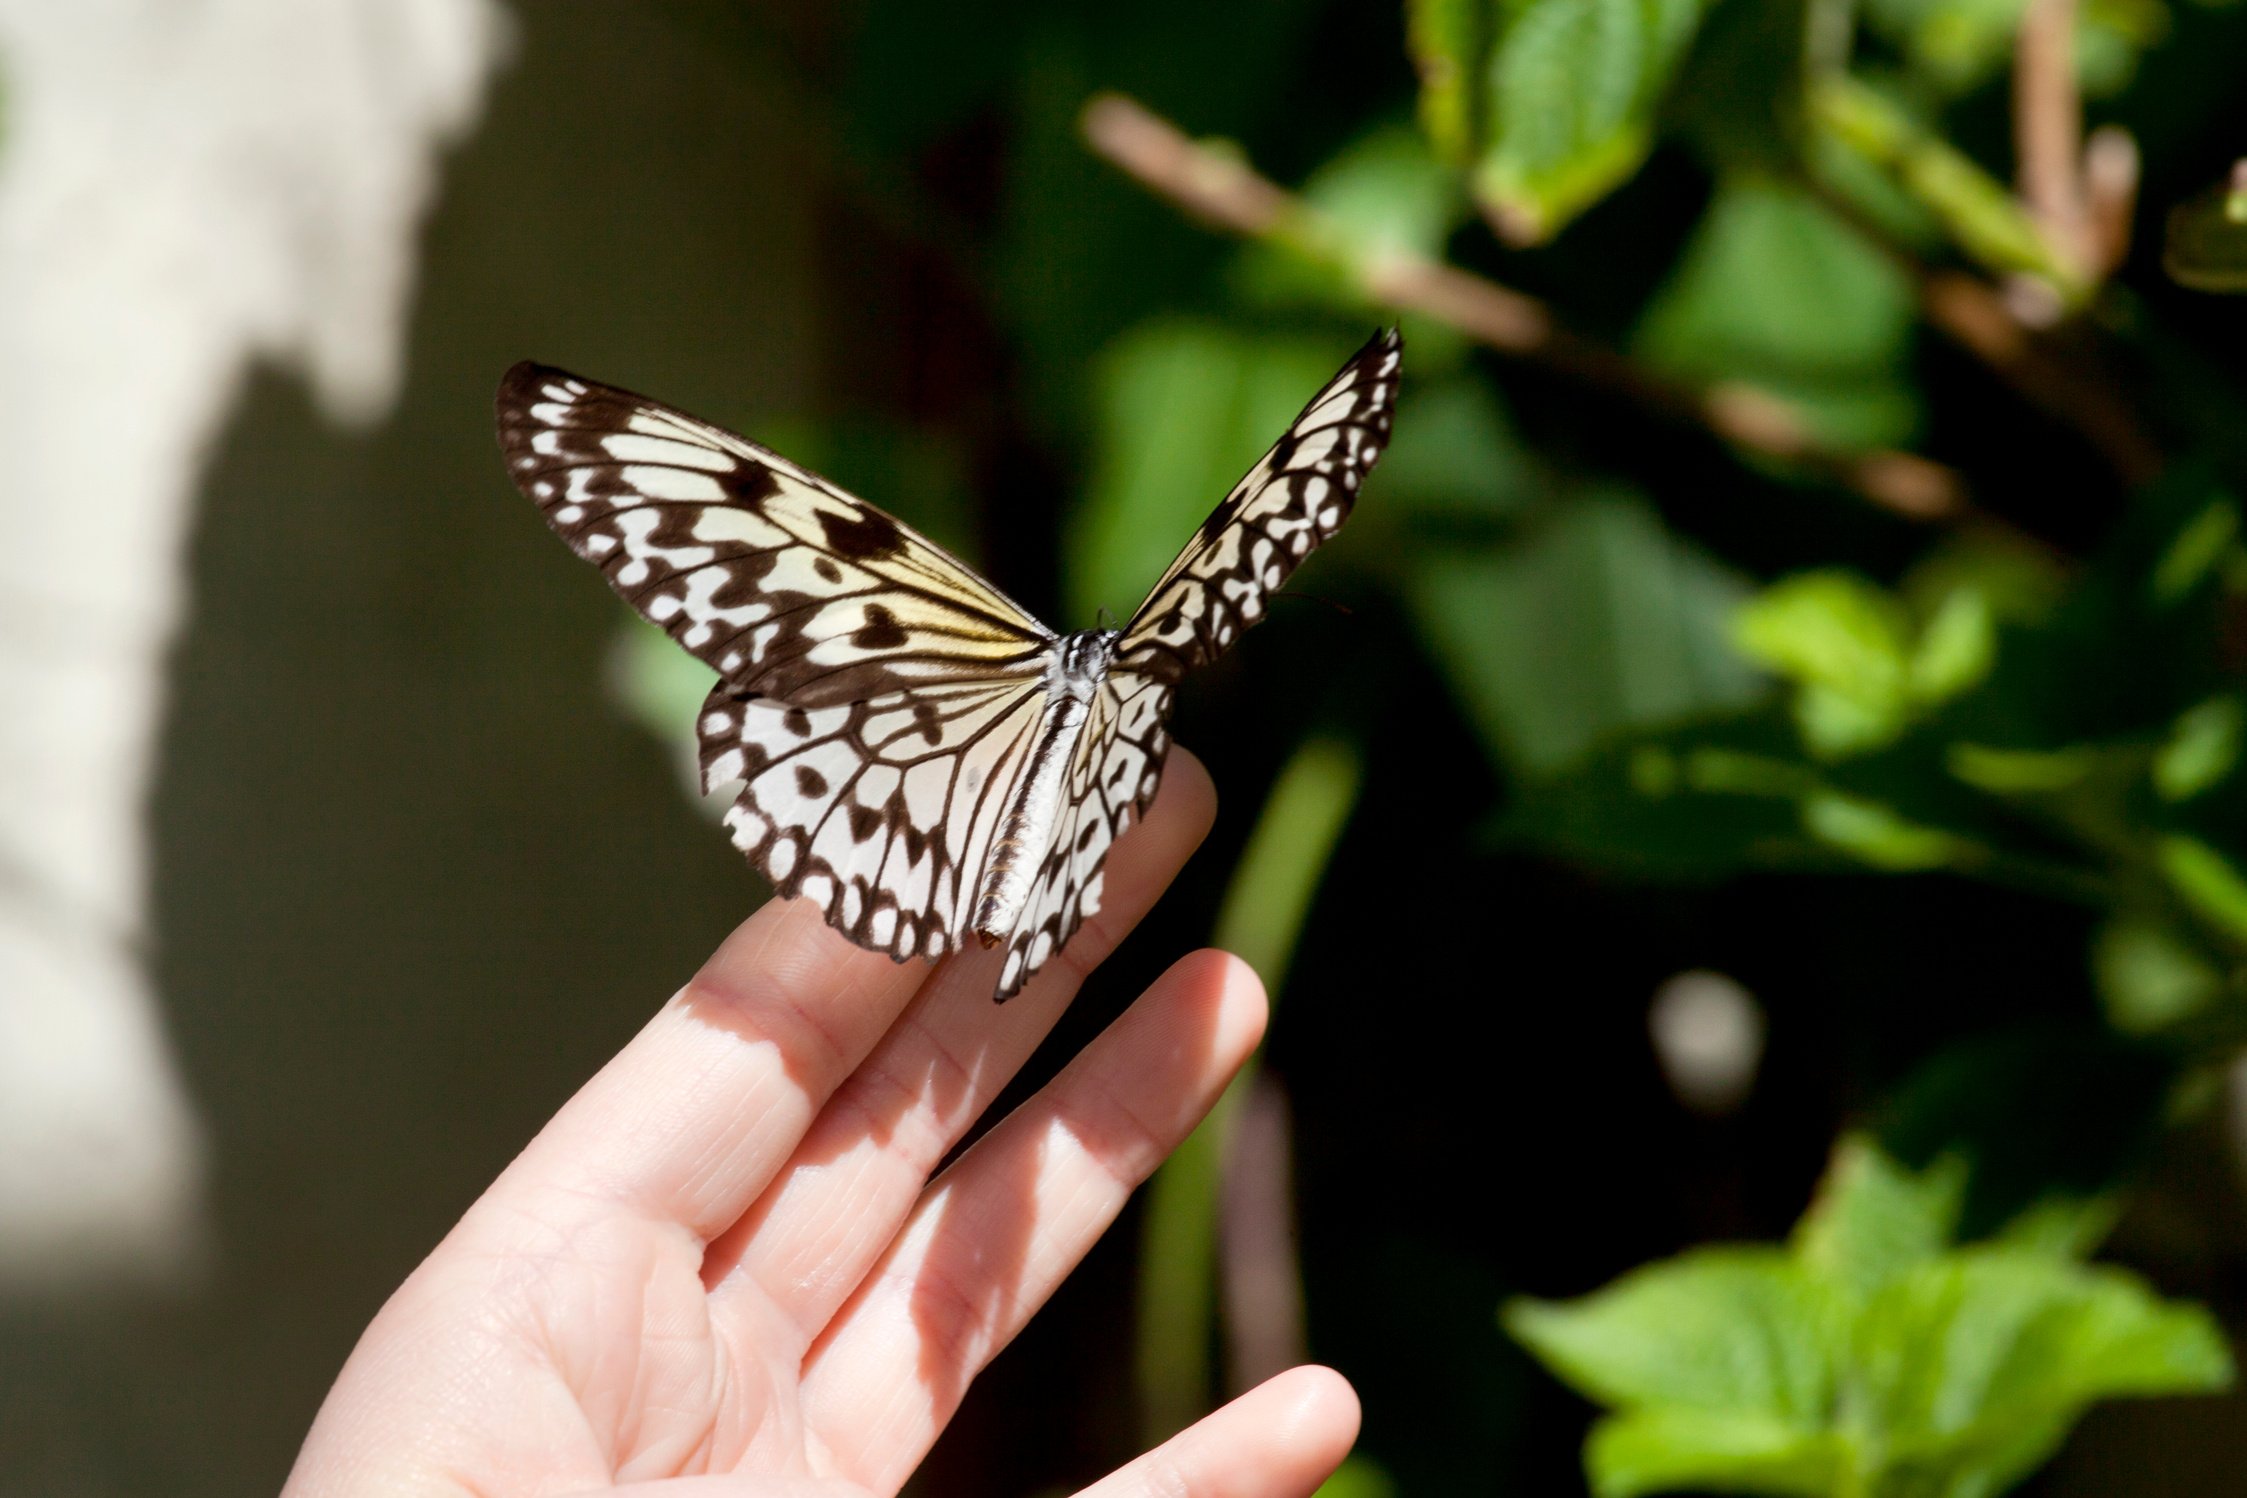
782,583
880,703
1296,496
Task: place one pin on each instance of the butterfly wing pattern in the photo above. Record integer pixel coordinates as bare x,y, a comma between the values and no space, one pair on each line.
918,754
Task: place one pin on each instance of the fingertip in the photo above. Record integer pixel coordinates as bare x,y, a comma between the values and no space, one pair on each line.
1217,994
1317,1411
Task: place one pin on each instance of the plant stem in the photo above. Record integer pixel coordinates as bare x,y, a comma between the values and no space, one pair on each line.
1261,921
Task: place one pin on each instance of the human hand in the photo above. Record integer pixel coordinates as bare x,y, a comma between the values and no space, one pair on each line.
722,1270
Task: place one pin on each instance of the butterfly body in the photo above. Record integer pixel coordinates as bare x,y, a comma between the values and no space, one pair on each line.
918,754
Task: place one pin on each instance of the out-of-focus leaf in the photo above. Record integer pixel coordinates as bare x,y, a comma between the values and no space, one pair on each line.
1446,39
1664,1449
1958,45
1359,1476
2209,882
1697,803
1776,293
1979,213
1847,643
1873,1219
1385,194
2202,748
2061,1227
1185,409
1955,649
2205,246
1876,834
1742,1329
2150,976
1978,1363
1458,459
1871,1356
2018,772
1573,85
661,687
1598,620
2192,555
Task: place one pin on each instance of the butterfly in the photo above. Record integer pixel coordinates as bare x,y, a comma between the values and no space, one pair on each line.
920,756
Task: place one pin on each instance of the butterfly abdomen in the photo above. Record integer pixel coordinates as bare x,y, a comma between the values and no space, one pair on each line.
1078,666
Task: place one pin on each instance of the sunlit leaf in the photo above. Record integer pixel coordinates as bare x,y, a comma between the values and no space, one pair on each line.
1847,642
1446,39
1876,834
2202,749
2209,882
1872,1219
1572,86
2150,976
1668,1448
1743,1329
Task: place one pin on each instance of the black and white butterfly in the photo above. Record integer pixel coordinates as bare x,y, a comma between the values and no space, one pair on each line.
920,756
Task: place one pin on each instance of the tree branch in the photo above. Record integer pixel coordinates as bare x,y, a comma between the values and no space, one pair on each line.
1222,190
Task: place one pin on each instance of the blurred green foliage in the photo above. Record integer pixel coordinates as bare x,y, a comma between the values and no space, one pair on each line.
1646,661
1872,1355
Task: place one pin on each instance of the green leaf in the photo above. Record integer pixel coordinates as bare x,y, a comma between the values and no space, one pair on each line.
1446,39
2017,772
2061,1227
1956,648
1776,293
2205,246
1666,1448
1958,45
1974,1366
1746,1330
1184,409
1871,1358
1458,458
1979,213
2150,976
1848,642
1385,194
2192,556
1572,86
2203,748
1599,620
1359,1476
1875,834
1872,1219
2208,881
1701,802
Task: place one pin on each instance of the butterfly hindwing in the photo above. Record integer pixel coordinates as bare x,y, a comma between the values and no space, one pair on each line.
880,704
878,811
1296,496
1113,775
779,581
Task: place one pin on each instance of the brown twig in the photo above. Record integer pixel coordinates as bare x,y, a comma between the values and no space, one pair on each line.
1263,1282
2048,127
1227,192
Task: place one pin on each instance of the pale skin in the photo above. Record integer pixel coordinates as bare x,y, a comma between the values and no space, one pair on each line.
724,1271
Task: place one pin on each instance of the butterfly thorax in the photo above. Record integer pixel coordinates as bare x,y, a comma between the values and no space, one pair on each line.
1074,671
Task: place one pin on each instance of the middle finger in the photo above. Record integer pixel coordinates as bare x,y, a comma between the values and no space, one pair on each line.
859,1169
